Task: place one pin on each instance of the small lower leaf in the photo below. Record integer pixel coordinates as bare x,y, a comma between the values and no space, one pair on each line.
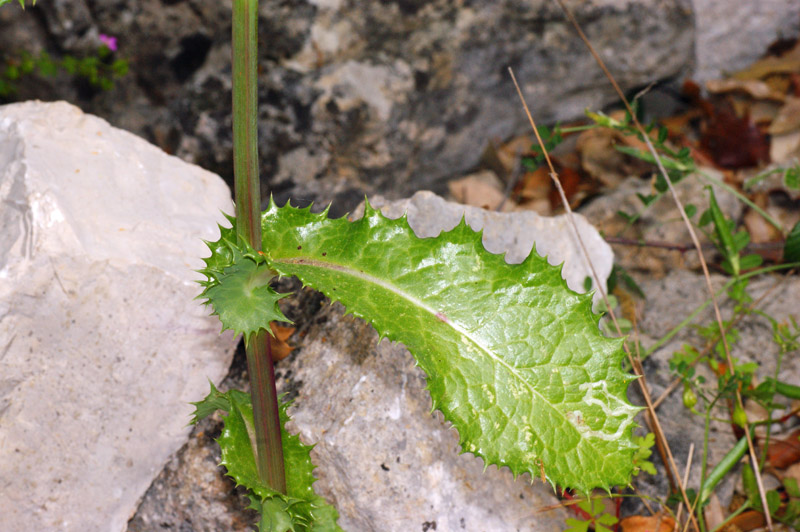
301,509
791,250
243,299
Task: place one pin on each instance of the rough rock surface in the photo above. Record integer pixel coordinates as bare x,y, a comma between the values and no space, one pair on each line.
354,97
731,35
101,344
669,301
384,461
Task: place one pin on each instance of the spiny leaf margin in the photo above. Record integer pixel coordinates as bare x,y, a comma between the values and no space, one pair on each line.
456,285
587,443
237,288
301,509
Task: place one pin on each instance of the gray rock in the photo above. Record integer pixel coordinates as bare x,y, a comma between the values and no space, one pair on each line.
730,36
669,301
381,96
384,461
102,344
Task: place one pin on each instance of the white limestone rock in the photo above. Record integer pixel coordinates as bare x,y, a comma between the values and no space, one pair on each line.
102,346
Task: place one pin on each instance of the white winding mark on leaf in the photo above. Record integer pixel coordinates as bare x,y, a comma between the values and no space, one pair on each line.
622,410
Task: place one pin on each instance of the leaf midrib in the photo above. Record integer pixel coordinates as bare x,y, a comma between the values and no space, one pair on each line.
360,274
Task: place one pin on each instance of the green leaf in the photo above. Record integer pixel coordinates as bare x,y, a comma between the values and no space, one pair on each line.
213,401
577,525
791,249
647,200
748,262
237,286
515,360
243,299
726,242
668,162
663,132
301,509
791,177
643,452
12,72
791,486
46,65
630,218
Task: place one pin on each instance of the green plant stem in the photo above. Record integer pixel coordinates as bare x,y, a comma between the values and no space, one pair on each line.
245,141
744,199
268,447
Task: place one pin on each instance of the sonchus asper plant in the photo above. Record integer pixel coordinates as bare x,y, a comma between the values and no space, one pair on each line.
513,357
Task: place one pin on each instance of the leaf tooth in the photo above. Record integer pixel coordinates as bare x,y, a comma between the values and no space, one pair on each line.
325,211
369,210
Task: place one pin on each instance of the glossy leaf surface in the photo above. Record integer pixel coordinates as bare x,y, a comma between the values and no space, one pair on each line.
514,358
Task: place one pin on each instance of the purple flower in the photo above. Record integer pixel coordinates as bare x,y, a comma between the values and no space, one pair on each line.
109,41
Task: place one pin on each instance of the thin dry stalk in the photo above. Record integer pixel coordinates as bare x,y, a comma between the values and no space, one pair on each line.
635,364
695,241
685,481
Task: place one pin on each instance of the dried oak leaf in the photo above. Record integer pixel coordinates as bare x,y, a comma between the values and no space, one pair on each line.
603,162
786,63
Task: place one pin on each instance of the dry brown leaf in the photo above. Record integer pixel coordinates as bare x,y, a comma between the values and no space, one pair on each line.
652,523
734,141
539,206
793,471
779,83
747,520
782,453
502,158
512,150
786,63
713,512
280,349
603,162
788,118
536,185
760,230
571,184
479,190
784,147
763,112
755,88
